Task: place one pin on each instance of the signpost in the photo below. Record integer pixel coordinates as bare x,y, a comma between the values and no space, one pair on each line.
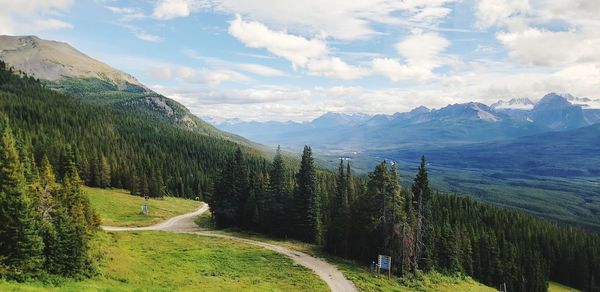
145,206
384,262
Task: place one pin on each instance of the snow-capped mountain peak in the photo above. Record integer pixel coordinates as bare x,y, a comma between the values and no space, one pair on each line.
514,104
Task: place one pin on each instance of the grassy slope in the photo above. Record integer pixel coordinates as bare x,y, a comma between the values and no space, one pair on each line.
556,287
160,261
360,275
119,208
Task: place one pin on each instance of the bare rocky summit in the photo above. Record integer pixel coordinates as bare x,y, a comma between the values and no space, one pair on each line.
53,61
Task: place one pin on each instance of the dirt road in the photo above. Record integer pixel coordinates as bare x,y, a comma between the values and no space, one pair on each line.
185,224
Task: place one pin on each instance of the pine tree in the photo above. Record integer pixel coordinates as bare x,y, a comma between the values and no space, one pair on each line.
338,230
395,219
307,203
21,243
423,226
275,203
104,172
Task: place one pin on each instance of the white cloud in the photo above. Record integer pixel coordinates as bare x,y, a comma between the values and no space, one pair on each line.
500,12
127,13
31,16
339,19
199,97
214,78
169,9
336,68
260,70
296,49
421,53
246,67
422,48
50,24
190,75
312,54
545,33
143,35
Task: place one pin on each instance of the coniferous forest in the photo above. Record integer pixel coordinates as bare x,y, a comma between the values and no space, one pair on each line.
360,218
52,144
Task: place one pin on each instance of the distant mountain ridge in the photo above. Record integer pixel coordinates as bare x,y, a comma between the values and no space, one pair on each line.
453,124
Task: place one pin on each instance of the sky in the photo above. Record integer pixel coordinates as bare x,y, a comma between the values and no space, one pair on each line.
295,60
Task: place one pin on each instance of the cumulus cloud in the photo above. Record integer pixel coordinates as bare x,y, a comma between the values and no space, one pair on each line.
421,53
545,33
297,49
31,16
312,54
169,9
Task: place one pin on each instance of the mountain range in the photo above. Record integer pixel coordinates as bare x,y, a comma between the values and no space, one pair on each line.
539,156
455,124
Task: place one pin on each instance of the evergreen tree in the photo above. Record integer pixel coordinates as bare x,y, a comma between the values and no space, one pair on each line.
275,203
307,203
21,244
104,172
423,227
338,230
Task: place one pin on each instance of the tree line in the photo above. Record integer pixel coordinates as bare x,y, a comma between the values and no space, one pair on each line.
360,218
45,224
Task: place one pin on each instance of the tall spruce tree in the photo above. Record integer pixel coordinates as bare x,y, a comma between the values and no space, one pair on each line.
423,225
338,230
276,202
307,203
395,220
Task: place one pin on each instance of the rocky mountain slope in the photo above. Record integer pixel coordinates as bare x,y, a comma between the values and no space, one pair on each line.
64,68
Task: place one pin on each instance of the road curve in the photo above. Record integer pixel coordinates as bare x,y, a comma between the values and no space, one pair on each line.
185,224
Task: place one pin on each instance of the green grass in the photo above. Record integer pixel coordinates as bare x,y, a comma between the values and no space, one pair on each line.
118,208
160,261
556,287
361,276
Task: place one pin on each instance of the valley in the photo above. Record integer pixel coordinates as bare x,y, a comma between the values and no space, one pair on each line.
496,153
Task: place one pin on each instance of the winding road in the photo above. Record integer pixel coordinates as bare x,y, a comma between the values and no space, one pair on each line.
185,224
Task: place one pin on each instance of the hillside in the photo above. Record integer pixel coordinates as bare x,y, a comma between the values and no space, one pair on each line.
135,151
65,69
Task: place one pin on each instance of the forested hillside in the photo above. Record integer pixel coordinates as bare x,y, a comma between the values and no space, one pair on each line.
113,147
360,218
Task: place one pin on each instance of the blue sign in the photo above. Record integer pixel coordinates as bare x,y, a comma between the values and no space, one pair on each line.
384,262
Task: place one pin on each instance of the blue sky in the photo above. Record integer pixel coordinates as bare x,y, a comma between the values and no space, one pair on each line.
281,60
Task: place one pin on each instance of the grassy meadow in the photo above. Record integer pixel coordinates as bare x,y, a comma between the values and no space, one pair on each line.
161,261
117,207
361,276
